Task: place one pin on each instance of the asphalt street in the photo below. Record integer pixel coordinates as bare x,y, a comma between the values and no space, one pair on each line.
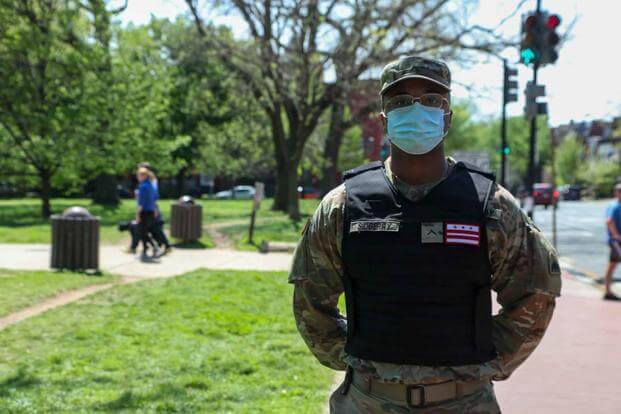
581,235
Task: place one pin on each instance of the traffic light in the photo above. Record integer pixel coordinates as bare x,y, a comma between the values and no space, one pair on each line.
530,45
539,39
551,40
510,85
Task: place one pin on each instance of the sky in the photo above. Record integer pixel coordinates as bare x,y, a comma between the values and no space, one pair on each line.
584,84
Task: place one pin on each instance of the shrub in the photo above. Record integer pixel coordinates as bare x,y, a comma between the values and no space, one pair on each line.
601,176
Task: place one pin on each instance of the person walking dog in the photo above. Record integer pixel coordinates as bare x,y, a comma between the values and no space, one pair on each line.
146,210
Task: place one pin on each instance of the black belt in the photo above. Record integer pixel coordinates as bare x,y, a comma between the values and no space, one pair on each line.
416,395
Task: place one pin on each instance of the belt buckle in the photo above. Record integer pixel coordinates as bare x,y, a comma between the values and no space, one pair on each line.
408,396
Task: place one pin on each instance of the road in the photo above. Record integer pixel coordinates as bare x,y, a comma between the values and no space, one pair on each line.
581,234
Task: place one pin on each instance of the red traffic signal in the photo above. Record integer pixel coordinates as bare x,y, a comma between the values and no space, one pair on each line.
553,21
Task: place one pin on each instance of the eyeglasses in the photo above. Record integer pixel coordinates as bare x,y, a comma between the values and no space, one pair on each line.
432,100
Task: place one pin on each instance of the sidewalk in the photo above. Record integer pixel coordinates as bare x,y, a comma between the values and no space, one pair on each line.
577,366
113,260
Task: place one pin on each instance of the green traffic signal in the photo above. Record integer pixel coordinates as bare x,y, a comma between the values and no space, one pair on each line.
506,150
528,56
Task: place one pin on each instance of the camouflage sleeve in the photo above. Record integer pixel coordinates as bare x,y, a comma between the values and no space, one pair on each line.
316,273
527,279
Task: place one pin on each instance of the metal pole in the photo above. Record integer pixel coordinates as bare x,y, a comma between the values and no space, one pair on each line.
259,191
554,204
531,151
503,129
253,216
533,138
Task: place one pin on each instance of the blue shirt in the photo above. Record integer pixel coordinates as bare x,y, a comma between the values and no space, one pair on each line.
157,192
147,196
614,212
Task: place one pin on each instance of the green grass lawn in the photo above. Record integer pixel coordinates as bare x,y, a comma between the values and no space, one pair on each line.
20,221
206,342
216,211
274,230
23,288
270,226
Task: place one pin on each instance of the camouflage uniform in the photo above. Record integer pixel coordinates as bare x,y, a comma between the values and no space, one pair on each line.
526,278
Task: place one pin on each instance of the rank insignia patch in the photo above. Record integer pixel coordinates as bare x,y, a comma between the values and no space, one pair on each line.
373,225
432,232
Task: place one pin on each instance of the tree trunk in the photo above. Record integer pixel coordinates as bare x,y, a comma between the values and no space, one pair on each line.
46,194
286,198
329,179
106,191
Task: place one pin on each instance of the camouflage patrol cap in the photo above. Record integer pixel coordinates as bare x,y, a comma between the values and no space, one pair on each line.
415,67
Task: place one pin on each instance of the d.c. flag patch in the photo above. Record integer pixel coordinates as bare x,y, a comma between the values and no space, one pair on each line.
459,233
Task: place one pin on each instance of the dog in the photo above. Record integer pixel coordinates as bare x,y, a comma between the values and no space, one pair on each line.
156,233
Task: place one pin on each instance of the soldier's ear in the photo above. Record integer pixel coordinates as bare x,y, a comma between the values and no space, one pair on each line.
448,120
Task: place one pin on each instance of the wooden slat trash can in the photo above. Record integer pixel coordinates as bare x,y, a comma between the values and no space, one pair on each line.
186,220
75,240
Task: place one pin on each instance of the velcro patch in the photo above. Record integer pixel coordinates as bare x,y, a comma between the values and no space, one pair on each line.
373,225
494,214
432,232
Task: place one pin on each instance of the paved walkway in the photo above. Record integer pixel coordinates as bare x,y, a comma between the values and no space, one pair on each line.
577,367
113,260
50,303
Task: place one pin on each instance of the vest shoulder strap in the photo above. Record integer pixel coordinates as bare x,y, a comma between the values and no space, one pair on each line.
483,181
363,168
473,168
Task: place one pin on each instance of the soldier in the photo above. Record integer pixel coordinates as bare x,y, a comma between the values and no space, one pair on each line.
416,244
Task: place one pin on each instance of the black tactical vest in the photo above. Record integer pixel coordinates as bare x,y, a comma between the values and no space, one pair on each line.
417,274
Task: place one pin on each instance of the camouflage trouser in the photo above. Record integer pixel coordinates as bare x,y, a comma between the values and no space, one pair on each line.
357,402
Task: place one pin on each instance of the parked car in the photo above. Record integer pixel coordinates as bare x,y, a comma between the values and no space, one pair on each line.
308,192
570,191
239,192
545,194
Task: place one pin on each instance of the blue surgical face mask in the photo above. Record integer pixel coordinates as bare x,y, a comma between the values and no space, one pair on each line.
416,129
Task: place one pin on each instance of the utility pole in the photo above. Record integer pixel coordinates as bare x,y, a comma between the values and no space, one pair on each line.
538,46
533,138
554,204
509,95
532,142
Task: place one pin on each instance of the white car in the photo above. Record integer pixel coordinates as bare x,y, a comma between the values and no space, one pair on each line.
239,192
